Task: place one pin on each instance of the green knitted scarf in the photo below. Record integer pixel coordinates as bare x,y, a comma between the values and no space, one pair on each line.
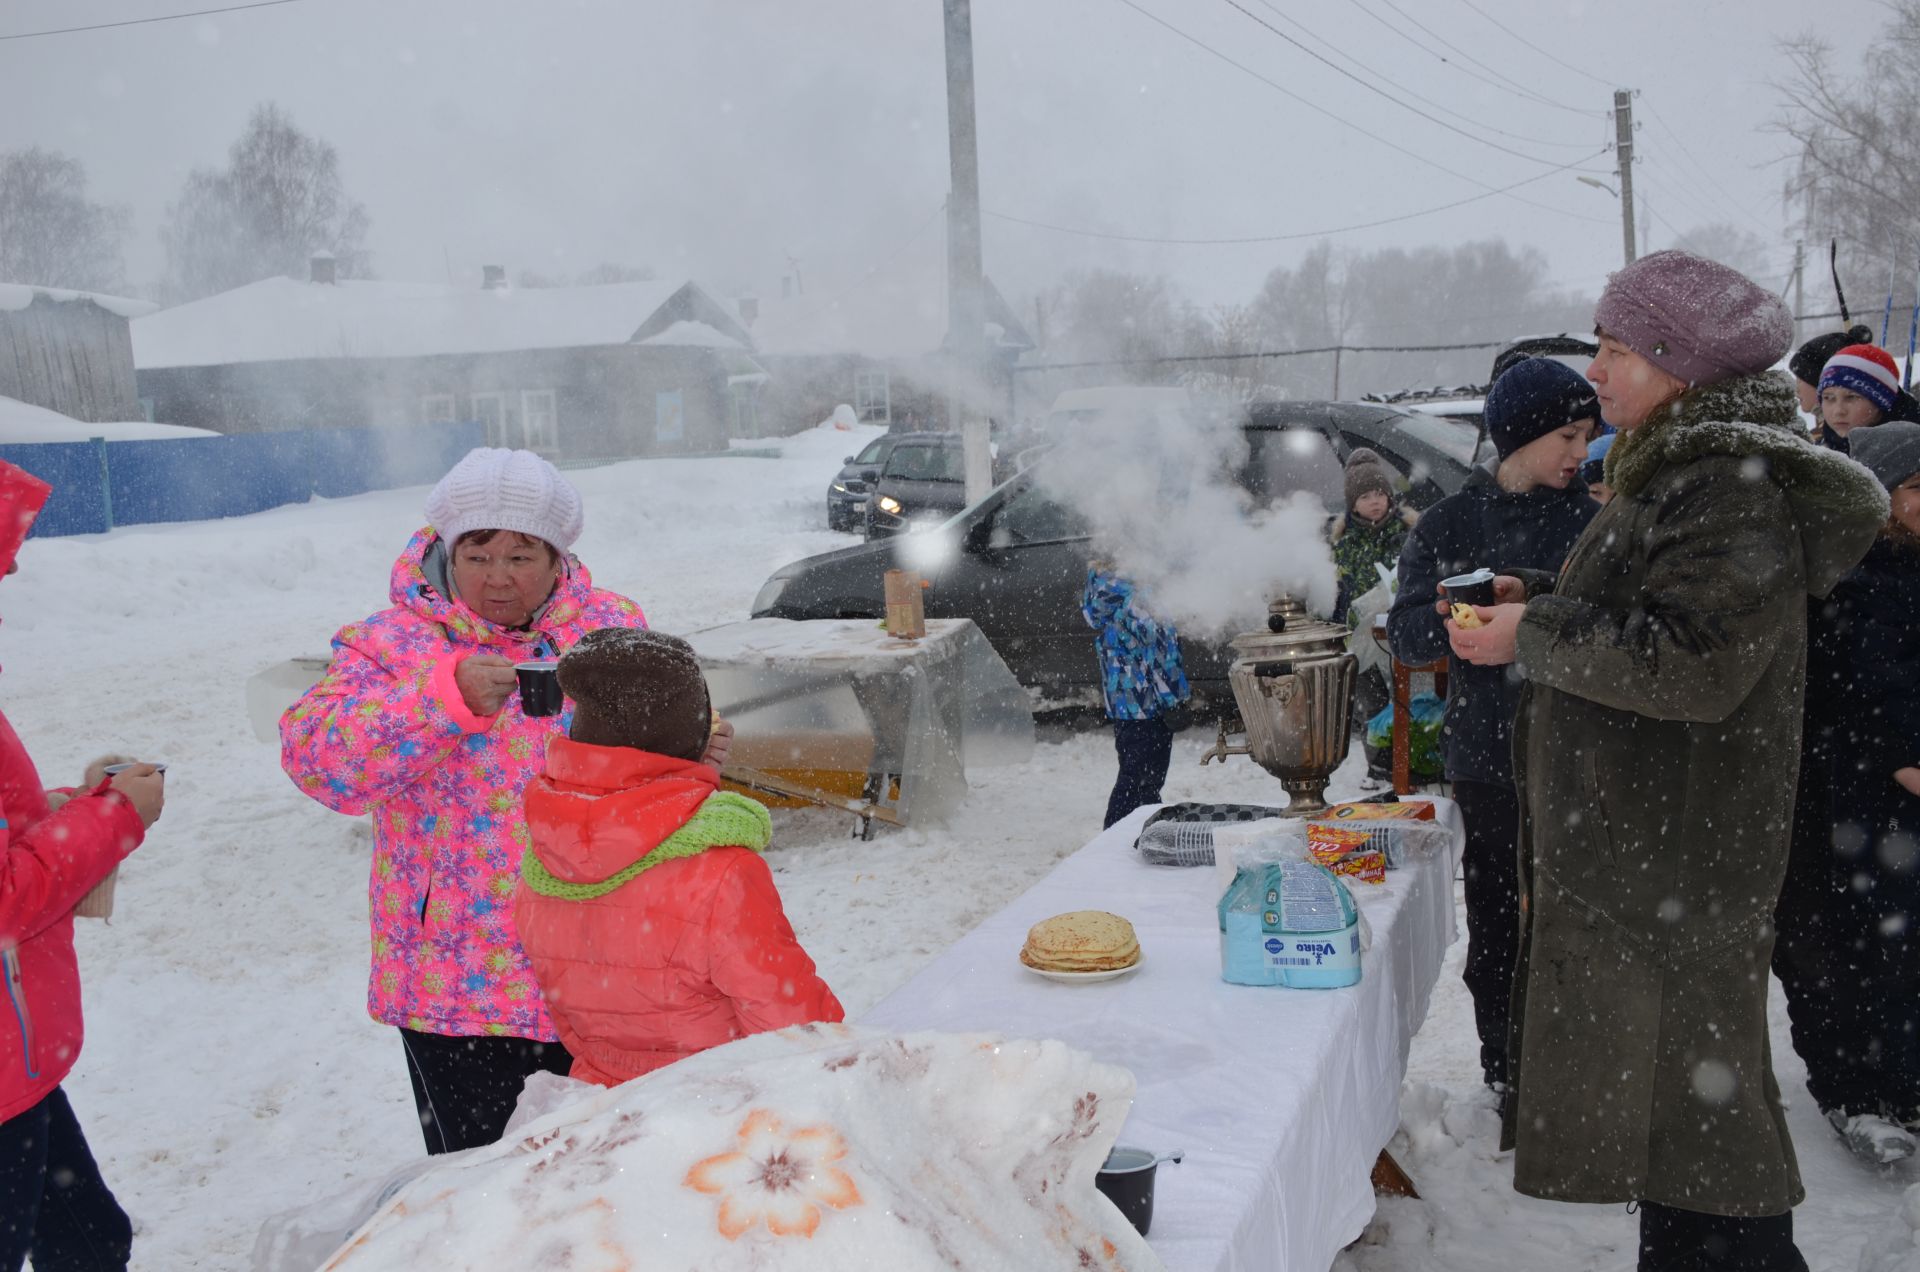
725,820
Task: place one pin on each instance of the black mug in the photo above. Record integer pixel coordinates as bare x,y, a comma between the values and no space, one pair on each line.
1470,589
1127,1180
540,687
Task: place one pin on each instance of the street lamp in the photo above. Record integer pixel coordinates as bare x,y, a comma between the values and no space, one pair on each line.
1598,184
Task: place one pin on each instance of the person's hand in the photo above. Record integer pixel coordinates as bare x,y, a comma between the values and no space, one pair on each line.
1909,779
97,771
1493,644
145,789
719,743
485,682
1507,590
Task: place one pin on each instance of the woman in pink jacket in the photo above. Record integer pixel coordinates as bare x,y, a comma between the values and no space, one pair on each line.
417,722
54,1206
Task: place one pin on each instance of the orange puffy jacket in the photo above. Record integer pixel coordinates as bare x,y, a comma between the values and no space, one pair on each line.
691,952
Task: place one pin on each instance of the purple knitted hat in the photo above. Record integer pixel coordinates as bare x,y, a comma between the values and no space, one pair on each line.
1695,319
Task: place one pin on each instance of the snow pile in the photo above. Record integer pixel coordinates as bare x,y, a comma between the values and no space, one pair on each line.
15,296
818,1147
1157,489
25,423
1895,1245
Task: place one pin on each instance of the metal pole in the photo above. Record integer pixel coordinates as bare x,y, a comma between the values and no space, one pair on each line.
1336,374
1799,287
966,309
1623,149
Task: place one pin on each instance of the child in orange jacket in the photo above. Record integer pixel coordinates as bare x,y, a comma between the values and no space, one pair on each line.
652,922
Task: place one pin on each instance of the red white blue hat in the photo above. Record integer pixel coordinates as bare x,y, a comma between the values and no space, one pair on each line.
1864,369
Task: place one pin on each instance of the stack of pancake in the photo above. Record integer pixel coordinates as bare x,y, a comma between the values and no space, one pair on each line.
1082,941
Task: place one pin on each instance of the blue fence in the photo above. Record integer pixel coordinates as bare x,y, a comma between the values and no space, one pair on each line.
99,485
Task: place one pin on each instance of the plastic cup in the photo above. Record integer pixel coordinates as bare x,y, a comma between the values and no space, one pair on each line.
1127,1181
540,687
98,903
1470,589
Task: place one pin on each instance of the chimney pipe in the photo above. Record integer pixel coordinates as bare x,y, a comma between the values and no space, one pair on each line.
749,310
323,268
493,277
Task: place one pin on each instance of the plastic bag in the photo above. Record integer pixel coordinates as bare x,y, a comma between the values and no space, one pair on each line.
1184,834
1426,715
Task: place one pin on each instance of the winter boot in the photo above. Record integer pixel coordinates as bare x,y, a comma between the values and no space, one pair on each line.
1872,1138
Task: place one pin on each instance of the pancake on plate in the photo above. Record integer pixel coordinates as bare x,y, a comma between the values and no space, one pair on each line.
1081,941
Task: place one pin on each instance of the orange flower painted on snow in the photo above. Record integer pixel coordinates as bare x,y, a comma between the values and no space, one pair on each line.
776,1176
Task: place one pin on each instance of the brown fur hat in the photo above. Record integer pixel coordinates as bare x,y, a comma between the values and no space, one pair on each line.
637,688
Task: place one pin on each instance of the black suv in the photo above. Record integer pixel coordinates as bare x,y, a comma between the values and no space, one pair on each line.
1020,560
923,481
847,493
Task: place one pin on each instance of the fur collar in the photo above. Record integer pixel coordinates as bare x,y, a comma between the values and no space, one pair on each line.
1839,505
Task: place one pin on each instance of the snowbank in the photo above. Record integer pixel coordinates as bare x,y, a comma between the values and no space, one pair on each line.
22,422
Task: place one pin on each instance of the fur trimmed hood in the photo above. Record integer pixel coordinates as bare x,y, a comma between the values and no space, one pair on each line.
1839,505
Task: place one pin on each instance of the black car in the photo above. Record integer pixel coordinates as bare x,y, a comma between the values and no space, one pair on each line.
923,481
1019,560
847,494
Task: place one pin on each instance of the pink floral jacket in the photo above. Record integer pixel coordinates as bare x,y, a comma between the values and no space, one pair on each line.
386,732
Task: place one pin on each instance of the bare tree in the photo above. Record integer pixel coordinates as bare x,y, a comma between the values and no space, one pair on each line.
1108,314
277,202
50,232
1856,177
1729,244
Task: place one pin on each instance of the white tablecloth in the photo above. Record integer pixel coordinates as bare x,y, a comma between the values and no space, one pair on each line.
1281,1098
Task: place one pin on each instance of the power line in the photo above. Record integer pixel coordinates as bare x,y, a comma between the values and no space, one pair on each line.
1535,47
1322,110
1381,92
1442,40
164,17
1283,238
1458,66
1667,128
1304,29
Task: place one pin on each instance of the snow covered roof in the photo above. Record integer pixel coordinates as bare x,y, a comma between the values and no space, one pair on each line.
22,422
285,319
686,332
20,295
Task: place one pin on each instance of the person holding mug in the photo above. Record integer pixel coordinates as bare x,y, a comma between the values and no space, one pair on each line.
1655,749
54,848
417,723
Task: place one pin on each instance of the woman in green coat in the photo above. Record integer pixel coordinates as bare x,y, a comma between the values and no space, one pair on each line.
1656,751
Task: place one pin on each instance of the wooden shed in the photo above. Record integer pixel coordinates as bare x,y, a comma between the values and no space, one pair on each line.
69,351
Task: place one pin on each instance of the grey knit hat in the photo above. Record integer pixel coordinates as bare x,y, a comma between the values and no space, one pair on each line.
1890,451
1367,474
1696,319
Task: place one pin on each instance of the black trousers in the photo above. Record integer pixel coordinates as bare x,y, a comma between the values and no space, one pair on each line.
54,1206
1491,862
1673,1240
1146,751
1848,957
465,1088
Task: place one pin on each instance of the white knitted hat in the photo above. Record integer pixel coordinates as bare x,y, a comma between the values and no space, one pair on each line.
494,489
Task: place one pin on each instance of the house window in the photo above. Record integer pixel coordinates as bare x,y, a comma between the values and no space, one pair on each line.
491,410
746,413
436,408
872,400
540,420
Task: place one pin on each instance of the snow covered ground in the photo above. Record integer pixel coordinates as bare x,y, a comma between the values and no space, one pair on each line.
230,1070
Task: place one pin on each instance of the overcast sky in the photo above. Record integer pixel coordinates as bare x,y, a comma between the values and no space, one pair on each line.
720,138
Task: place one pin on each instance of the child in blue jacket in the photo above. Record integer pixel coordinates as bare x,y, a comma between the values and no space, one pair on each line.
1142,678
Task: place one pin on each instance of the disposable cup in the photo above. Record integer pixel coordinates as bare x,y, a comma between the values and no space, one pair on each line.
1470,589
540,687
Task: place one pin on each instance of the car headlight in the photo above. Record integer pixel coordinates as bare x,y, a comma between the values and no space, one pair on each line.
839,488
889,504
770,593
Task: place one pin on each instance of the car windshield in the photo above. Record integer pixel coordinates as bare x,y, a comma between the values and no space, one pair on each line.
926,463
871,455
1450,436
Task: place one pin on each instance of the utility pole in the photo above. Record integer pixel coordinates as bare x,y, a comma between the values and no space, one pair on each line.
966,307
1799,285
1623,149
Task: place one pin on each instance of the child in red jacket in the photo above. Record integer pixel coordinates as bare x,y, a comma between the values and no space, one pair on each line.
651,921
54,1206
